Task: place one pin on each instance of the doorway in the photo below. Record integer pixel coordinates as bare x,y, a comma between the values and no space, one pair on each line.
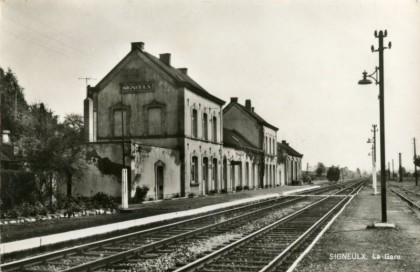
159,180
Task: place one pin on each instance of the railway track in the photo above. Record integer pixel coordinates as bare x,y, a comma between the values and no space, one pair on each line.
276,246
145,244
412,198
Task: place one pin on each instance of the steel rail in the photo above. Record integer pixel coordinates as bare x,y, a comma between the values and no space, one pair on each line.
45,258
285,253
200,263
409,201
19,264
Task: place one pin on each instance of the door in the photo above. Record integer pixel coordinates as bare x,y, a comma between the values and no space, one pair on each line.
206,175
159,181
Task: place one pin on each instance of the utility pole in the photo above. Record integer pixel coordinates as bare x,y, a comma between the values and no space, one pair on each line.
389,172
124,176
393,174
374,130
415,166
401,174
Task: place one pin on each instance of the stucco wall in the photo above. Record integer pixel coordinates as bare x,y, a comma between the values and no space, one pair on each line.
164,95
144,166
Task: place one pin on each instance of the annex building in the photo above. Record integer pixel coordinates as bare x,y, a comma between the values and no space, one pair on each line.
175,137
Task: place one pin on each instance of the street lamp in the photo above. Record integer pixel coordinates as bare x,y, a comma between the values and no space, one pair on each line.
379,72
373,142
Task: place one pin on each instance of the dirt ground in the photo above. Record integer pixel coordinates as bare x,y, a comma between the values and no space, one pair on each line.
350,246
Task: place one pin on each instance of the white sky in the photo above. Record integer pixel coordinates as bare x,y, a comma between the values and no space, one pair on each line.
298,61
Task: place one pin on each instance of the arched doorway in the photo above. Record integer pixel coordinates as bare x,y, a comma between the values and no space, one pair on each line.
159,174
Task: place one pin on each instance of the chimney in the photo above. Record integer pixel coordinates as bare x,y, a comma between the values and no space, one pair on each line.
165,58
252,109
6,137
137,46
248,104
183,70
234,99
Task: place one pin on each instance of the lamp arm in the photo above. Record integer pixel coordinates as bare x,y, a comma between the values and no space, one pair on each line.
375,74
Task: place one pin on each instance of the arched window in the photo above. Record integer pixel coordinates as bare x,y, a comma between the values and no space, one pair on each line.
205,127
194,123
214,123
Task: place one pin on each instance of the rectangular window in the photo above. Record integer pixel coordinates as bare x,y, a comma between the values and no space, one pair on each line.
194,123
154,121
120,115
194,170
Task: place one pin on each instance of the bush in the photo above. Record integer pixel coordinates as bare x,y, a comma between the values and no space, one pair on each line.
140,195
191,195
212,192
223,191
176,195
238,188
246,187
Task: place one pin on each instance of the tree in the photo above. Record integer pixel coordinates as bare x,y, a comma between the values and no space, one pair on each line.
359,174
72,158
13,104
320,169
333,173
40,140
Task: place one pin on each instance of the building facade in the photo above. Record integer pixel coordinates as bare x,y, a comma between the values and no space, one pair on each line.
260,134
291,161
173,135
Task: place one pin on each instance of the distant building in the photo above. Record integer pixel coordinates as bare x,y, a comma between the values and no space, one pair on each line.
292,163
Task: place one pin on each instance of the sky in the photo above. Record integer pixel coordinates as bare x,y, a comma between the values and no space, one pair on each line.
299,61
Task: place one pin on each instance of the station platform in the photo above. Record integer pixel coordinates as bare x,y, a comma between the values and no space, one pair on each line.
171,208
354,244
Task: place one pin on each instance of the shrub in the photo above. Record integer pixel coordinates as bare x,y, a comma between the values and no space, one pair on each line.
212,192
238,188
246,187
266,186
176,195
191,195
223,191
140,195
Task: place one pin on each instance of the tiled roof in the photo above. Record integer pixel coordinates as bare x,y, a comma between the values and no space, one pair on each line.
183,79
179,77
232,138
254,115
289,150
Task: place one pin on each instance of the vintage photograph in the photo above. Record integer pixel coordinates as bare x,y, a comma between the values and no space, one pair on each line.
209,135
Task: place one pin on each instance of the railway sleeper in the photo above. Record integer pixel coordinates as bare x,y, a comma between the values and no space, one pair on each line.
234,266
254,256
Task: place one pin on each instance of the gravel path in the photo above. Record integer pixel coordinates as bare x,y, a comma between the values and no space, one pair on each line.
350,246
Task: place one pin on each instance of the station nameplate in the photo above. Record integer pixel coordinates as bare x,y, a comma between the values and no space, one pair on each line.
137,87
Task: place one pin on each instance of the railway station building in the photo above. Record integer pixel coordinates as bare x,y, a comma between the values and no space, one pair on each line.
172,134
